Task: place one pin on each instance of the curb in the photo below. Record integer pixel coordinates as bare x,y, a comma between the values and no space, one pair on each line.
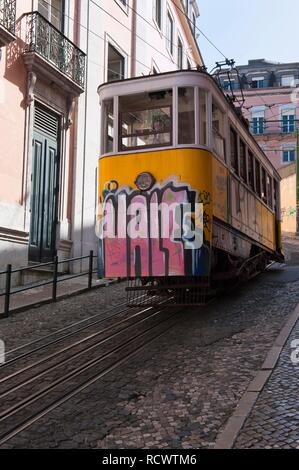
229,434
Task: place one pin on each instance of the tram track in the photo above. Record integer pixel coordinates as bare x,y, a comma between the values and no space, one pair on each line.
33,391
102,317
28,399
87,344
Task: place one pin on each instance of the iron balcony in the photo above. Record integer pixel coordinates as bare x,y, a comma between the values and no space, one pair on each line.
56,51
7,21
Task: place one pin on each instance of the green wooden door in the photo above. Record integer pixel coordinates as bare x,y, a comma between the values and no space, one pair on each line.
44,186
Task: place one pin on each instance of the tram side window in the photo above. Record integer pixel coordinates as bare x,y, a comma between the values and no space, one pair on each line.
269,191
250,170
218,131
257,178
264,186
203,117
234,150
186,118
108,126
145,120
243,167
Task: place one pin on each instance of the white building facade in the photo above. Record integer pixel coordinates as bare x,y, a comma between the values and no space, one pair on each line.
54,55
123,39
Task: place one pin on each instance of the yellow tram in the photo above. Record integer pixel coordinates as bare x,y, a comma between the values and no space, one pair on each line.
170,140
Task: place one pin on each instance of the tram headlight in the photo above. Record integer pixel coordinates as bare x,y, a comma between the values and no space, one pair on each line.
145,181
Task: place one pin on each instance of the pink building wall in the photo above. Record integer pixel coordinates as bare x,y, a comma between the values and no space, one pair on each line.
12,116
22,85
272,99
12,123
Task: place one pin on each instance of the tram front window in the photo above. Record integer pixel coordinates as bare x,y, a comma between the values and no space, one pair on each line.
145,120
186,117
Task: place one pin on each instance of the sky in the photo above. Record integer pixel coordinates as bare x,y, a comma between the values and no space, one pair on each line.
249,29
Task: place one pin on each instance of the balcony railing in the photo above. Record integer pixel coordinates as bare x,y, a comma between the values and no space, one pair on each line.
47,41
8,15
268,130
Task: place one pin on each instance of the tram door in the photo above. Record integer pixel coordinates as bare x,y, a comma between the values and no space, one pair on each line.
44,185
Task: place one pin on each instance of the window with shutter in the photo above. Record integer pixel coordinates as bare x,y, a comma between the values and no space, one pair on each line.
53,11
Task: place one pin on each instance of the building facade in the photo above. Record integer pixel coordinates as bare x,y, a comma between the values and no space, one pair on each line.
288,197
54,55
271,105
42,77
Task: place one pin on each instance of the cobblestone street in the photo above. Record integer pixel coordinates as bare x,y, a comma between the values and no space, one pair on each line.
33,324
274,420
178,392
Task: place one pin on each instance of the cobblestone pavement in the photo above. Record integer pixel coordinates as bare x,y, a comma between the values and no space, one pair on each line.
38,294
180,391
30,325
274,420
291,249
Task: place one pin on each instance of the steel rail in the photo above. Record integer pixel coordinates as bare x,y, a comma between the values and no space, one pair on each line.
62,329
101,314
29,421
74,356
50,343
79,330
71,346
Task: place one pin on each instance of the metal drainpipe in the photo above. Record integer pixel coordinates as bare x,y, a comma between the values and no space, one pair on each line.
85,131
133,39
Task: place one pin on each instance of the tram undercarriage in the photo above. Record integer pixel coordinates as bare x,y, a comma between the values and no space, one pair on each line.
227,273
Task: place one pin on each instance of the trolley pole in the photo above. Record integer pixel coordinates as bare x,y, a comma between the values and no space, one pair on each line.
297,182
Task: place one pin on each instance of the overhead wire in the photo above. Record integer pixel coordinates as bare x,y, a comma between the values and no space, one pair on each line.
150,45
155,29
201,32
198,29
129,29
88,30
142,39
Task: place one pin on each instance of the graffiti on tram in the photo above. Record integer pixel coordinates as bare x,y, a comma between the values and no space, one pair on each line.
161,232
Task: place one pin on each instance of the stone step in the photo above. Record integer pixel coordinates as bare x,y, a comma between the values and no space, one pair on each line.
42,273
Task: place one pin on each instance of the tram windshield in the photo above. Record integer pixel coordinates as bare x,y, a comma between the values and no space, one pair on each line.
145,120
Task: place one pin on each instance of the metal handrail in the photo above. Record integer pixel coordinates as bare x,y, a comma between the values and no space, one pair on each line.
9,291
26,268
49,263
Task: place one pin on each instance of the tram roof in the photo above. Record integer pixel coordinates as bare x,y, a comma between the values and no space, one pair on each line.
154,77
178,78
